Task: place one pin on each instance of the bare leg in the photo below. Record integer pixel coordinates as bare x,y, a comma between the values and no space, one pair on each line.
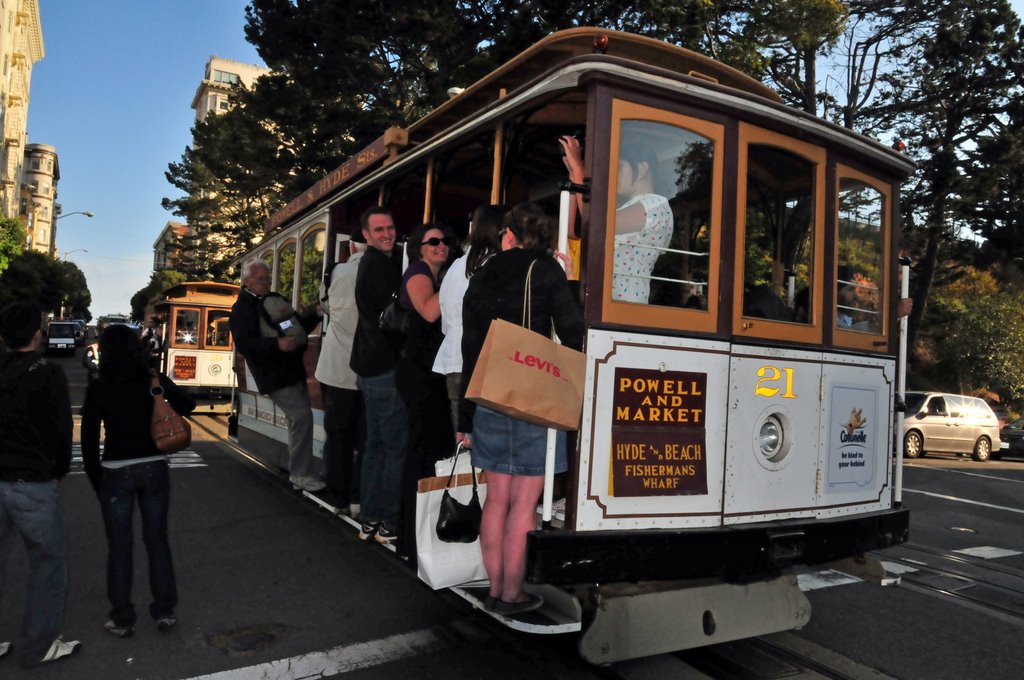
492,528
522,518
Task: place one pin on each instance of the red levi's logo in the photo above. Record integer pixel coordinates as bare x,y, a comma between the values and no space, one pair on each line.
538,363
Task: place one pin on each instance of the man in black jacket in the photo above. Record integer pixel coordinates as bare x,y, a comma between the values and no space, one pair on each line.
274,357
35,453
374,357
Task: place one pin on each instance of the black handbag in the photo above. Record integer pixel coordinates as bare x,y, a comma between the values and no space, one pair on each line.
394,319
458,522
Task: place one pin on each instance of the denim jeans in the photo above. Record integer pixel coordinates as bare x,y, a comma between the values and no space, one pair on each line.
294,401
150,484
33,511
386,436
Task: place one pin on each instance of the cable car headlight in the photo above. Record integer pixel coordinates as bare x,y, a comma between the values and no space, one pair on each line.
769,439
772,439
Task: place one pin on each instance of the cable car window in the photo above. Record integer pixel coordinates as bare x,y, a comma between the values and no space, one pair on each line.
779,240
859,280
664,218
286,270
312,268
218,335
186,327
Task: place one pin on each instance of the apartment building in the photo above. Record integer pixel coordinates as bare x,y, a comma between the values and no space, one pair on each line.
38,205
21,46
167,246
222,76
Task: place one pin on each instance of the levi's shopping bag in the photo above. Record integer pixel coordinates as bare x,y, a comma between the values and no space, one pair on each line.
524,375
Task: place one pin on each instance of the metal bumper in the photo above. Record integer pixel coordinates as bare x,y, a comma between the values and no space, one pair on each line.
735,554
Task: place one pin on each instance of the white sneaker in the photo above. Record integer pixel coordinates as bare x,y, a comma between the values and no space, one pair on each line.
311,484
59,649
4,648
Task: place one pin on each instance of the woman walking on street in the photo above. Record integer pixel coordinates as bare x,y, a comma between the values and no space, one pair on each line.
132,469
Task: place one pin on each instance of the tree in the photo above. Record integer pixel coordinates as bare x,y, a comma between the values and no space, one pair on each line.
35,277
982,330
957,87
77,297
12,240
159,281
343,72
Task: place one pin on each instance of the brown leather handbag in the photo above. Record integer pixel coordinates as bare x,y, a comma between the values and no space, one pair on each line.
171,432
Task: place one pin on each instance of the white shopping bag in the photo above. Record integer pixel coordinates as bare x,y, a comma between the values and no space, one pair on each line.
440,564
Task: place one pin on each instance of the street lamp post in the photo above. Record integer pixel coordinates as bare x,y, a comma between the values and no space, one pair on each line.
53,224
87,213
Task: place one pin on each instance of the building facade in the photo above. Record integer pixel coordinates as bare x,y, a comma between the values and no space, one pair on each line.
38,205
21,46
222,76
167,246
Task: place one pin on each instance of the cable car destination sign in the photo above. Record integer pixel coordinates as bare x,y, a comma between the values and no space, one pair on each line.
658,433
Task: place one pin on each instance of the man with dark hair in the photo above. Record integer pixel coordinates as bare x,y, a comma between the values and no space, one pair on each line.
374,358
35,454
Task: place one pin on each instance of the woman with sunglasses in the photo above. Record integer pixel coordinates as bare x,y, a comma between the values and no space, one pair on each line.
429,250
513,451
483,244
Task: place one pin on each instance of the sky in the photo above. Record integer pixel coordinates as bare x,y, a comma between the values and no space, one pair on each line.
112,94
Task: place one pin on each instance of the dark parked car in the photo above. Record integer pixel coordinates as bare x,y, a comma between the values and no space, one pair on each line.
1012,438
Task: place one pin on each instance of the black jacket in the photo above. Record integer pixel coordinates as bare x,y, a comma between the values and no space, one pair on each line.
126,410
496,292
271,368
35,419
373,351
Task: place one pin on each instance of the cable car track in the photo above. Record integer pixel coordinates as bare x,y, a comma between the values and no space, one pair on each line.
968,587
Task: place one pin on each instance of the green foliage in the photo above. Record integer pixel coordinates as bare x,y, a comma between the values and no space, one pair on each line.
978,335
12,240
158,282
49,282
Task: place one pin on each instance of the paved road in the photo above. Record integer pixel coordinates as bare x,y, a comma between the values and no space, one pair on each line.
273,586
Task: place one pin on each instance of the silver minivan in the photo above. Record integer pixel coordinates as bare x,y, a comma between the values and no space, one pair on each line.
951,423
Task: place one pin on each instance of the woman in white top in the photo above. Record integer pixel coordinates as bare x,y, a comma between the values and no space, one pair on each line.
483,243
643,221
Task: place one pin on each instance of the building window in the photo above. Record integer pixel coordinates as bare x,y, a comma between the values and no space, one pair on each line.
35,163
24,206
44,213
41,235
225,77
223,105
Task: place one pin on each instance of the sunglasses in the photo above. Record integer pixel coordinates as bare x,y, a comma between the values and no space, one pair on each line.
435,241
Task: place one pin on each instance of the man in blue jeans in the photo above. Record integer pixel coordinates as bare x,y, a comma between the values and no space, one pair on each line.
374,357
35,453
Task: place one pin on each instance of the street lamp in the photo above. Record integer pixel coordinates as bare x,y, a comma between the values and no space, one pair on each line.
76,250
87,213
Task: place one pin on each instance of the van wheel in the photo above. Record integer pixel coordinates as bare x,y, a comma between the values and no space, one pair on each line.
913,446
982,450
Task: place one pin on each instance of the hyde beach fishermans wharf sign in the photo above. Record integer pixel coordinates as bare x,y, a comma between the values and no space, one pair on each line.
376,151
658,433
